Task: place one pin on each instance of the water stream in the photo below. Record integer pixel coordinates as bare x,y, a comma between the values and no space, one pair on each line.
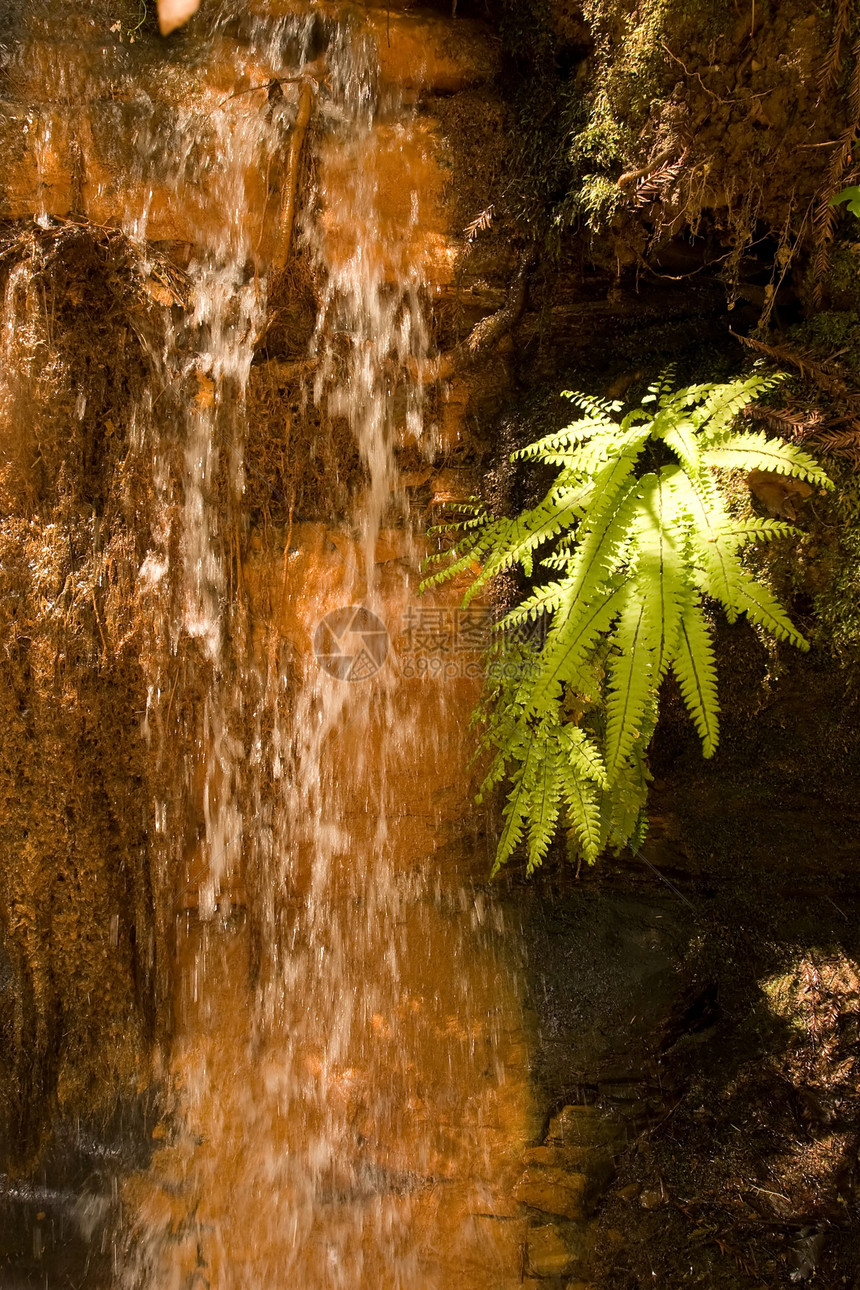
348,1058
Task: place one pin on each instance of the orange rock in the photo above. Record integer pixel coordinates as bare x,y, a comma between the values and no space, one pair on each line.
385,193
597,1163
552,1254
431,53
584,1126
554,1191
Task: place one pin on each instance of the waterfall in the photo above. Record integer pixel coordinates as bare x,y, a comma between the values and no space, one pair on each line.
346,1060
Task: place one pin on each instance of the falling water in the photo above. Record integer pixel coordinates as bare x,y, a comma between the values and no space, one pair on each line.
348,1060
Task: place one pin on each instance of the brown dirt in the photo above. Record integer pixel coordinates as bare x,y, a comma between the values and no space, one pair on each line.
746,1175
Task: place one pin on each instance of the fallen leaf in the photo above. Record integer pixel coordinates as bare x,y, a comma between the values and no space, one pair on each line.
779,494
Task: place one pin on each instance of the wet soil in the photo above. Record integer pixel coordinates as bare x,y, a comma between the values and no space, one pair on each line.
706,992
745,1174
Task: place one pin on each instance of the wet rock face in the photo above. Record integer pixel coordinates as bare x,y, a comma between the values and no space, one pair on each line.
75,890
80,95
118,469
58,1224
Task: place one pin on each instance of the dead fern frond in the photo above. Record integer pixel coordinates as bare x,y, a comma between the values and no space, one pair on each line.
813,370
841,443
792,423
836,435
826,213
854,88
829,68
656,186
479,224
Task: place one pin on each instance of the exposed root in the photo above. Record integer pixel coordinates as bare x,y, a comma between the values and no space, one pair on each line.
630,176
290,199
484,335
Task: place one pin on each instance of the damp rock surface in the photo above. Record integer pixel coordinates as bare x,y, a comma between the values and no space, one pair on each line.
258,888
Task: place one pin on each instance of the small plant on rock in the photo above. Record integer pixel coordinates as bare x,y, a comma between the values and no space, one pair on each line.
629,548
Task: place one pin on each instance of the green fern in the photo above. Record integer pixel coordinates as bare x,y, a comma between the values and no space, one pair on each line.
631,542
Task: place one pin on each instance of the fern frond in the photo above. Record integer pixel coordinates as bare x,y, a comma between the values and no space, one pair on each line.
625,453
601,537
494,776
470,515
661,386
499,765
763,608
648,627
583,814
631,678
622,809
662,577
581,459
559,561
471,506
545,804
469,561
681,437
753,450
635,416
567,722
569,642
523,536
560,440
515,814
465,554
758,531
720,408
692,396
716,569
591,403
543,601
694,667
578,487
583,754
516,811
465,526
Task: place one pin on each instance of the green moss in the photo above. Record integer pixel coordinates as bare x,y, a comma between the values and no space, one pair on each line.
842,280
595,154
829,332
544,89
581,112
835,547
598,199
634,63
